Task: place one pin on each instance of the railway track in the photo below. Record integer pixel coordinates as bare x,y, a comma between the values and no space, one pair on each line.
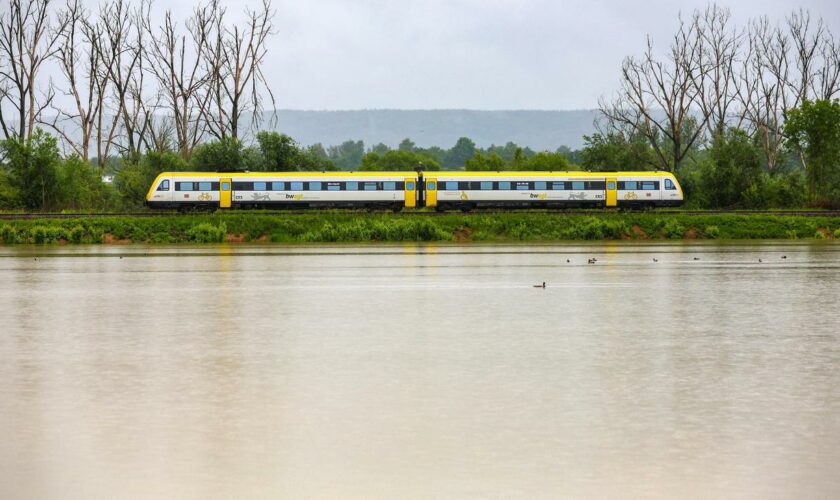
550,213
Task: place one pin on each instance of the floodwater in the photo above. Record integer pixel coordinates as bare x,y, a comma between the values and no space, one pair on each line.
411,371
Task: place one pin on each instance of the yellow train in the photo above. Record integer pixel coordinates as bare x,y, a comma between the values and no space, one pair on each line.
397,190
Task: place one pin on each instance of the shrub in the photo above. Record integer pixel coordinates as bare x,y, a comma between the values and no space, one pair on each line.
711,232
207,233
673,229
38,234
77,233
8,234
837,233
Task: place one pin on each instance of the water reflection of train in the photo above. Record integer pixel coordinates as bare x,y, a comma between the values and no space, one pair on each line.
398,190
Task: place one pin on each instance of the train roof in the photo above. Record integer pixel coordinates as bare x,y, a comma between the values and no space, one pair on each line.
434,173
570,173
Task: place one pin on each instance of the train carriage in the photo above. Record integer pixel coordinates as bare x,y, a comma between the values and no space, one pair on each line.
397,190
193,190
466,190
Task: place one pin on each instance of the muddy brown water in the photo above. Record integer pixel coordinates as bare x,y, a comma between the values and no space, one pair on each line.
412,371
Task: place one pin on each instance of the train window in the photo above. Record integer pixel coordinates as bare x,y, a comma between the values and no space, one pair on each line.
226,186
451,186
669,185
611,185
314,186
389,186
578,185
430,185
297,186
541,185
259,186
183,186
558,186
204,186
486,185
370,186
522,186
600,185
630,185
333,186
648,185
409,185
351,186
504,186
278,186
164,186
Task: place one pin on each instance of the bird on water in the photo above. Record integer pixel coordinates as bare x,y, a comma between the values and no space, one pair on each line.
540,286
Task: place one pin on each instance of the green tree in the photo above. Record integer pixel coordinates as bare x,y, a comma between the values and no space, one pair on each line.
347,156
509,151
407,145
732,167
547,161
462,151
226,154
9,196
575,156
81,186
434,152
813,129
485,162
380,148
280,152
615,152
396,160
32,167
136,175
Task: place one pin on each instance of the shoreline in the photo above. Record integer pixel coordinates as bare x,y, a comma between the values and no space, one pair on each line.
331,227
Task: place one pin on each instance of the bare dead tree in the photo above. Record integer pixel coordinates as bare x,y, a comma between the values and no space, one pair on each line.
660,98
80,59
124,43
806,37
720,45
827,78
769,71
28,36
233,56
783,66
174,61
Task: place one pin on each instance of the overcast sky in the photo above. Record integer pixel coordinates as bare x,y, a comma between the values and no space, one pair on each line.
475,54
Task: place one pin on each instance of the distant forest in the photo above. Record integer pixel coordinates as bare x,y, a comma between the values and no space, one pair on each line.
538,130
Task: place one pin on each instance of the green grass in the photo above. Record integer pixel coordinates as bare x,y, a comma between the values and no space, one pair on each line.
337,226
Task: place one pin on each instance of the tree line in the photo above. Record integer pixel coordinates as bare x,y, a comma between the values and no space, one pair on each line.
121,84
744,116
720,88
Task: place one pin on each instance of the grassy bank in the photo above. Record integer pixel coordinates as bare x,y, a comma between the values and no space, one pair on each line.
362,227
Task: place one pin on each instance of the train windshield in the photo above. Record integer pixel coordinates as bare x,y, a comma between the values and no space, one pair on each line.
164,186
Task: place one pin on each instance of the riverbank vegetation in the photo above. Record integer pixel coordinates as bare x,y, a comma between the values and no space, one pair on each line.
328,227
745,116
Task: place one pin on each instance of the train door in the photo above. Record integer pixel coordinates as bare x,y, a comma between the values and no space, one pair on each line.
612,193
224,193
410,192
431,192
